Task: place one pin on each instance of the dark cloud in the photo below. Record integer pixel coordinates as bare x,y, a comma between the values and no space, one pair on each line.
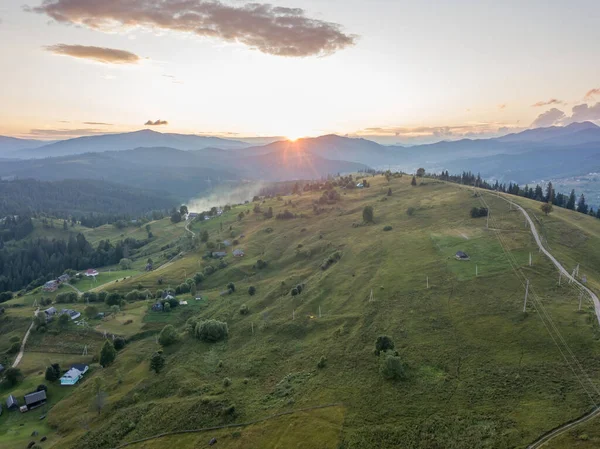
271,29
550,102
591,93
99,54
548,118
156,123
98,123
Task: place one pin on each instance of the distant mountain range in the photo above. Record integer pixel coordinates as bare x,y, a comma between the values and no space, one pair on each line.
185,164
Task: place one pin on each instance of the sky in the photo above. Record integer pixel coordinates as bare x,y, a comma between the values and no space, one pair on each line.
394,71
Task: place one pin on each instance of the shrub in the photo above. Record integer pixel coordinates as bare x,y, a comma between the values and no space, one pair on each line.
133,295
322,362
251,290
410,211
294,291
125,264
226,382
383,343
260,264
107,354
244,309
167,307
65,297
119,343
391,366
208,270
63,320
90,311
113,299
13,376
14,348
14,339
477,212
168,335
333,258
231,287
198,278
211,331
387,228
367,214
157,362
52,372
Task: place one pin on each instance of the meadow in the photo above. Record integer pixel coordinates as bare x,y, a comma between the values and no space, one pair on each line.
478,371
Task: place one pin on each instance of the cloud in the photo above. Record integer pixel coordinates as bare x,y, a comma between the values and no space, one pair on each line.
270,29
591,93
98,54
98,123
64,133
550,102
584,113
548,118
156,123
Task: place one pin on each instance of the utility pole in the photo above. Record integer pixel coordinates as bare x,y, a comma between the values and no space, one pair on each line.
559,277
526,293
319,311
371,296
487,221
580,298
427,281
476,271
530,258
252,328
577,270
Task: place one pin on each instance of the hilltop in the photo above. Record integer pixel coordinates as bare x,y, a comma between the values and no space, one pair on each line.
475,370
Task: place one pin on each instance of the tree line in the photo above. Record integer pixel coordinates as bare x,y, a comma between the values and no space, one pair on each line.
32,263
548,195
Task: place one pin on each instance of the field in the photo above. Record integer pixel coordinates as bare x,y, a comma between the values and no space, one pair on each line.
478,371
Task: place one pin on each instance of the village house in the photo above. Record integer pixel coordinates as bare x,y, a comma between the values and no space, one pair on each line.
91,273
219,254
35,399
50,286
64,278
73,314
75,373
238,252
11,403
461,255
50,312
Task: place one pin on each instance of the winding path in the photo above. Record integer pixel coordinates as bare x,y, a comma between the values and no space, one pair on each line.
592,414
22,350
553,259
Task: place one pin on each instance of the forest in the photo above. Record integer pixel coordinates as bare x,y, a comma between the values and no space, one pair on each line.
32,263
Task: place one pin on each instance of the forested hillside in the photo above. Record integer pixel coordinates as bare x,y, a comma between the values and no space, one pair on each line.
78,198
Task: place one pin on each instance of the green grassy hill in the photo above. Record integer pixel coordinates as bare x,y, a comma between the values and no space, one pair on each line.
478,371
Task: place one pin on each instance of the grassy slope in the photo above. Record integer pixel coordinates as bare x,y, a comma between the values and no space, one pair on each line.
481,373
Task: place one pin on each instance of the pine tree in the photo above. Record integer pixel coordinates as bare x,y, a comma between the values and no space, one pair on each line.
549,193
107,354
571,201
581,206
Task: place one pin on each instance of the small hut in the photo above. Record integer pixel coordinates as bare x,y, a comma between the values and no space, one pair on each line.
461,255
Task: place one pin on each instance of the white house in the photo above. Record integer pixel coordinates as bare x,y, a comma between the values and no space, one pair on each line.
72,376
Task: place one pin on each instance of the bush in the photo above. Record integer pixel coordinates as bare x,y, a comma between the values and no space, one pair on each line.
208,270
125,264
14,348
157,362
478,212
231,287
260,264
391,366
211,331
13,376
120,342
90,311
383,343
113,299
168,336
63,320
133,295
167,307
333,258
368,215
52,372
387,228
226,382
244,309
198,278
294,291
410,211
66,297
251,290
322,362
